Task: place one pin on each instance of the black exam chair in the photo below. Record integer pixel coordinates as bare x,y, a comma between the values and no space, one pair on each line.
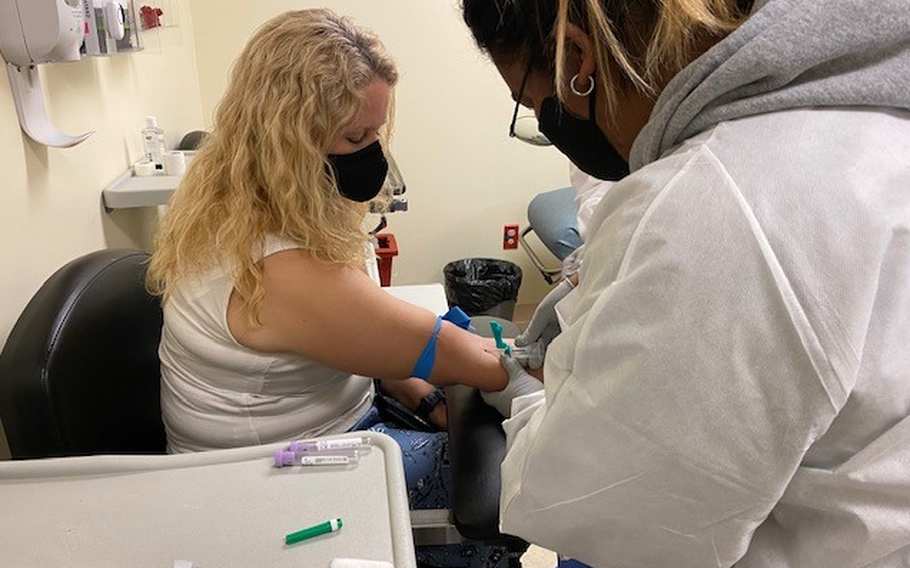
79,374
477,446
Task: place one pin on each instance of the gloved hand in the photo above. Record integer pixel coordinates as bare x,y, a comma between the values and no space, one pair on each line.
572,263
544,326
530,356
520,384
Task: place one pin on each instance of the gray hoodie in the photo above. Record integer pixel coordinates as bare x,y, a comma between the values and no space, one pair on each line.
788,54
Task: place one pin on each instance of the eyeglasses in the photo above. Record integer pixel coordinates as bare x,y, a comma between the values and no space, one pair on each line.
521,92
525,128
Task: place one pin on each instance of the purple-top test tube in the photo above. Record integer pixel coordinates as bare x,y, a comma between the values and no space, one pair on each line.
285,458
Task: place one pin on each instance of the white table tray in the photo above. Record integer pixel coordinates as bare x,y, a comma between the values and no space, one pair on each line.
221,509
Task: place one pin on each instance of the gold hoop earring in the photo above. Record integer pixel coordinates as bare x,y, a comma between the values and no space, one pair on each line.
587,91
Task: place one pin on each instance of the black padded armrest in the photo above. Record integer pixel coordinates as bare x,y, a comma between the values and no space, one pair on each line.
477,446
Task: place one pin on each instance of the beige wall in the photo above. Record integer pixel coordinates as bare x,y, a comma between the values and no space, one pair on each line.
50,199
465,177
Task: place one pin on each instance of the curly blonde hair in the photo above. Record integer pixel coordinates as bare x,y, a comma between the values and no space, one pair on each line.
263,170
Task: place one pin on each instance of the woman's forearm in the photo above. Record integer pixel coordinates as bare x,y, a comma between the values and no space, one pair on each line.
463,357
408,392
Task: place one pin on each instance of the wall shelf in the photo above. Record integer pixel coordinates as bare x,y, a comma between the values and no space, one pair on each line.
128,191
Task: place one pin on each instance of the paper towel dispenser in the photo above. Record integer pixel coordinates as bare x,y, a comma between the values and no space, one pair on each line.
40,31
34,32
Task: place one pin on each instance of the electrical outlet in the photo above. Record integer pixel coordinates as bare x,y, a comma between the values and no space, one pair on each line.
510,236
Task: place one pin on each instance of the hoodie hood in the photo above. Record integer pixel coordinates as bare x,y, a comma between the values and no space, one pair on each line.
787,54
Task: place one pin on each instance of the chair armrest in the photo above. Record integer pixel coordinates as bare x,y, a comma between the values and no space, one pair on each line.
477,446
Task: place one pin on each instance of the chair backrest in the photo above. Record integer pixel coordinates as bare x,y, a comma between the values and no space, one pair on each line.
79,373
554,217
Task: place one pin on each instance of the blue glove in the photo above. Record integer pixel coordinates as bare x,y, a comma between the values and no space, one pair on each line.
544,325
520,384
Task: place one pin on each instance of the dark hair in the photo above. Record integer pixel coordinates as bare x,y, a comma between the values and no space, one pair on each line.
510,29
649,40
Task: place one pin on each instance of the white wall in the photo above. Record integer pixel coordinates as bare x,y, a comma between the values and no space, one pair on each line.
50,199
465,177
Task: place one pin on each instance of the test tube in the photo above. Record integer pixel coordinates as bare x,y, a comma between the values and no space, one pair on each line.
341,444
285,458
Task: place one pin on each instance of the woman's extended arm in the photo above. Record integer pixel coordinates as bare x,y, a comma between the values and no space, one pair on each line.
336,315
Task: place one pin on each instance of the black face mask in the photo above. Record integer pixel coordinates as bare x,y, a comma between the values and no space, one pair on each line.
581,141
360,175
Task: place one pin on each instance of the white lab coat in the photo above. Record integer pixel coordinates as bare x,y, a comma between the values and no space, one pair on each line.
588,192
733,382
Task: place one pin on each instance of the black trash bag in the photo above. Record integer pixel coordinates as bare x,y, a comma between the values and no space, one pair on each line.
480,285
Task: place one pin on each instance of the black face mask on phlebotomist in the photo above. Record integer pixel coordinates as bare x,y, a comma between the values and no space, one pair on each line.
360,175
581,141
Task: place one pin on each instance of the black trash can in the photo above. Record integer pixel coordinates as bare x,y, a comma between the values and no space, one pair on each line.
483,286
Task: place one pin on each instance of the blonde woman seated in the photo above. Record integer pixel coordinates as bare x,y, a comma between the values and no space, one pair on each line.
271,324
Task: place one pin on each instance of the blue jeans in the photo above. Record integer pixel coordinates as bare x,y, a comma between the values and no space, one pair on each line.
429,482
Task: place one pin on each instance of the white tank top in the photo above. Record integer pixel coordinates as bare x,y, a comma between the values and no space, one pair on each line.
216,393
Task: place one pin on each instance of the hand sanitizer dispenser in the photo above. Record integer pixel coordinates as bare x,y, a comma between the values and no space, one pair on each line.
34,32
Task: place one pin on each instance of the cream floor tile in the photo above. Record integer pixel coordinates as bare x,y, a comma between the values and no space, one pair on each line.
537,557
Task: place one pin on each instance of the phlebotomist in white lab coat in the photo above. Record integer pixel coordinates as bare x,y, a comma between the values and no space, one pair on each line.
732,382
